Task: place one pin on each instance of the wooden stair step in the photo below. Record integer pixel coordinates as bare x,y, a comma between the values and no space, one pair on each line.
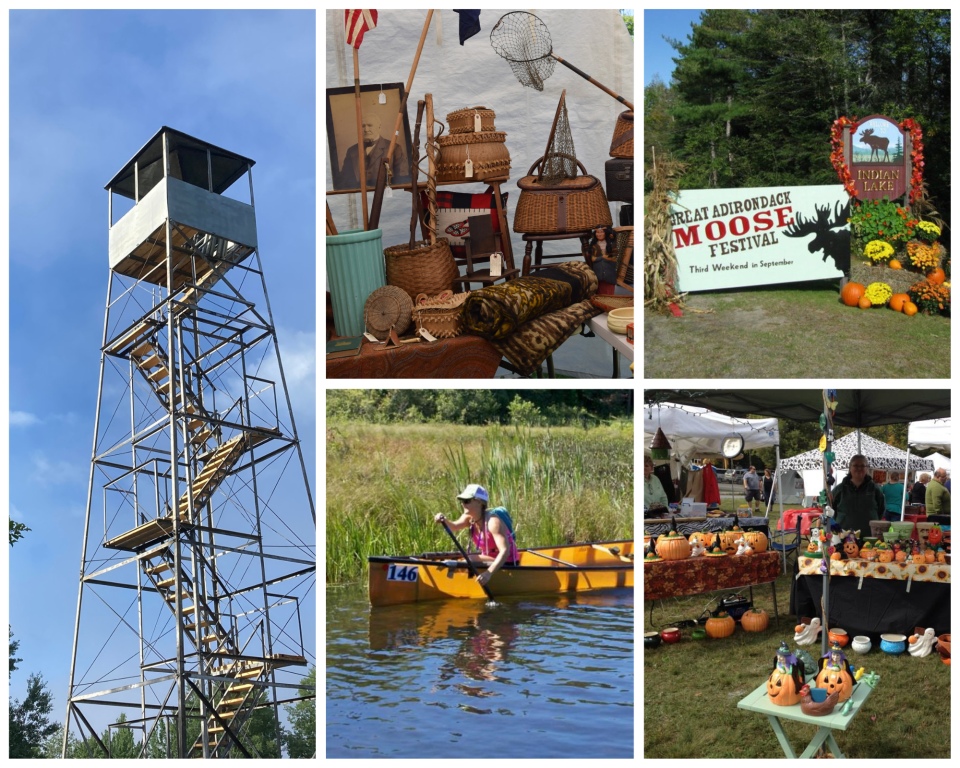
228,713
158,568
143,349
166,583
173,598
216,729
202,436
250,673
203,623
231,702
191,426
211,639
239,687
151,362
158,375
133,335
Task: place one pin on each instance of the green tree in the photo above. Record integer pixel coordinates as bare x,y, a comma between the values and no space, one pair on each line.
16,531
14,646
30,724
121,741
301,739
628,20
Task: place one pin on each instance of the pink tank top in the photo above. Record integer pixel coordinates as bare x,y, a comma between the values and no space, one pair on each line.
487,545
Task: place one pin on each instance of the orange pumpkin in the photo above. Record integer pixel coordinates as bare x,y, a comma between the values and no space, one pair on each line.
673,547
864,303
783,688
941,557
910,309
894,264
836,556
851,293
756,620
918,558
897,301
930,556
902,556
707,538
935,534
937,277
836,680
885,556
850,549
728,540
757,540
721,626
868,554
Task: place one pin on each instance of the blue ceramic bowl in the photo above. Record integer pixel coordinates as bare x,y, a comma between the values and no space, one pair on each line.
893,644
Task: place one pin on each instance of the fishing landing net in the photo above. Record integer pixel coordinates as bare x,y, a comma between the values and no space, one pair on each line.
560,159
524,41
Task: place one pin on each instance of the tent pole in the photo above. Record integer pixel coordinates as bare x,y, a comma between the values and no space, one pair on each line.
903,502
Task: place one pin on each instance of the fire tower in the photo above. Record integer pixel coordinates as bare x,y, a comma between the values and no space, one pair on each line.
196,571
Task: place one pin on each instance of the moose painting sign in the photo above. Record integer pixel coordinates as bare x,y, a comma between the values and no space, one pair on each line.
732,238
877,152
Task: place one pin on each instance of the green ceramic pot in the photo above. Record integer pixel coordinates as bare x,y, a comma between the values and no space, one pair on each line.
699,634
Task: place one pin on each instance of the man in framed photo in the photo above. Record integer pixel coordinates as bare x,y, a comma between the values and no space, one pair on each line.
375,148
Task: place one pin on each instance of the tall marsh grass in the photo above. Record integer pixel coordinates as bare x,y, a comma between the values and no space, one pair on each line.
385,483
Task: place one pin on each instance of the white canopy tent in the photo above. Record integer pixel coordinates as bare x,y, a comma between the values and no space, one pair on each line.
923,435
940,461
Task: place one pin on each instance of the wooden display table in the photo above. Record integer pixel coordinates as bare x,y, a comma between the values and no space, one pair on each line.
464,357
757,701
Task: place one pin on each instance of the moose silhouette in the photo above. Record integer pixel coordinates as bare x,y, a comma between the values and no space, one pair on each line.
876,143
835,245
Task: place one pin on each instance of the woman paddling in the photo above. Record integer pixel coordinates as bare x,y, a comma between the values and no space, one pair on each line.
490,529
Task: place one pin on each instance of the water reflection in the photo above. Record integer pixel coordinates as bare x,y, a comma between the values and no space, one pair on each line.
558,669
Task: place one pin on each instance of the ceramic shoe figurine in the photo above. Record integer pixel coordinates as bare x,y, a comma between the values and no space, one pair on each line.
922,642
807,631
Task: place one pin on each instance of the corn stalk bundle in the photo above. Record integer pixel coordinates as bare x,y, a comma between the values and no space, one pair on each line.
660,259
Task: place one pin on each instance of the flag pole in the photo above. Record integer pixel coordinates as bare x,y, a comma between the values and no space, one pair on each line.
361,154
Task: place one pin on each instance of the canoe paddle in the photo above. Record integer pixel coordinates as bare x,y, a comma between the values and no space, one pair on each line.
473,571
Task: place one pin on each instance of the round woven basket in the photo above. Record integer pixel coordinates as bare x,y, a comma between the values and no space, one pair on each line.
440,315
608,303
488,151
623,147
427,268
465,120
387,307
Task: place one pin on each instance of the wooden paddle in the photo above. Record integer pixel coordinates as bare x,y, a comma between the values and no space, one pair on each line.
473,571
361,153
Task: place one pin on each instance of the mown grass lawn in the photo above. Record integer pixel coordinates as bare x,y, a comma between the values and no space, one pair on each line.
799,330
691,690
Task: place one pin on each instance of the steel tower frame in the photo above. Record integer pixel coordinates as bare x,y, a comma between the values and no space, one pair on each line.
206,445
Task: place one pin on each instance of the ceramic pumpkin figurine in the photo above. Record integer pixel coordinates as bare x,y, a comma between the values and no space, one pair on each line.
885,554
935,535
673,545
850,548
836,673
917,557
757,540
728,539
868,552
720,626
786,680
901,556
755,620
929,556
941,556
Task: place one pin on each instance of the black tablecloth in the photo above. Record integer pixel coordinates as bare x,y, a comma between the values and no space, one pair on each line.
879,606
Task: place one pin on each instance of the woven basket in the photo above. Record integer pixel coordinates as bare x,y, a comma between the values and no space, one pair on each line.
622,144
574,205
488,152
608,303
465,120
440,315
425,269
386,308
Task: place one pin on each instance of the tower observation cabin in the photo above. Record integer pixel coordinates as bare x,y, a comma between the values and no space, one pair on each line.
198,575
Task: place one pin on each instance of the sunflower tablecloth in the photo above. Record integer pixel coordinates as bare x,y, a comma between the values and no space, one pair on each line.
696,575
932,572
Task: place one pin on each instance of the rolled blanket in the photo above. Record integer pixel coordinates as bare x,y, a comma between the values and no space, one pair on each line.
497,311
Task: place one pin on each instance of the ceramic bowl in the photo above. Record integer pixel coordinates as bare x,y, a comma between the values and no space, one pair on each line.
699,634
839,636
619,319
651,640
904,528
893,644
861,644
671,635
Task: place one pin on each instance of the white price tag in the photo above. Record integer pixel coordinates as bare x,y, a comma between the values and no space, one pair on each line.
388,192
425,334
383,98
496,264
476,122
468,168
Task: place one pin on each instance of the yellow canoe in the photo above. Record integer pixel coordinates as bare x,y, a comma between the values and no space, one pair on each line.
571,568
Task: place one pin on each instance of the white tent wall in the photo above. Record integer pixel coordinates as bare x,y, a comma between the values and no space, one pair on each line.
595,41
936,433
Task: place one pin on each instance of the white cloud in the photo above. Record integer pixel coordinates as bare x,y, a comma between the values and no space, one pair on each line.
22,419
46,472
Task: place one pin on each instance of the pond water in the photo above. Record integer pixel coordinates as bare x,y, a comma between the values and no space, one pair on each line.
532,677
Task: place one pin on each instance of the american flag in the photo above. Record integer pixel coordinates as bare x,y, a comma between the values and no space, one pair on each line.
357,22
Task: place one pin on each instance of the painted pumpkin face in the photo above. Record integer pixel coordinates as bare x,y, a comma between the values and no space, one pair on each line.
901,556
813,546
850,549
885,556
836,680
918,558
782,689
935,535
869,554
942,557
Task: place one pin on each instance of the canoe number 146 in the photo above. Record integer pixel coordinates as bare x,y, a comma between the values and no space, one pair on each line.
405,573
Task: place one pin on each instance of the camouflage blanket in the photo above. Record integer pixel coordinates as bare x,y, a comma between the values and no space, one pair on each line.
529,346
499,311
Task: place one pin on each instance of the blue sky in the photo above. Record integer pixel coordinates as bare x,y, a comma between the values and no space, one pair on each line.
657,52
87,90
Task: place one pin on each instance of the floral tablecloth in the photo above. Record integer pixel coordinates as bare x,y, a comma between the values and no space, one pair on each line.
933,572
463,357
696,575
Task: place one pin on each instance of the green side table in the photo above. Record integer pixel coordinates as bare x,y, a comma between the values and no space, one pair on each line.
757,701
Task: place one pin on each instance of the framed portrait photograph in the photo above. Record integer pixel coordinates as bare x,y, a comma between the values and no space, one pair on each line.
347,161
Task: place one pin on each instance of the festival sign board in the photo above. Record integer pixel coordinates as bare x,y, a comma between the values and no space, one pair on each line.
733,238
877,152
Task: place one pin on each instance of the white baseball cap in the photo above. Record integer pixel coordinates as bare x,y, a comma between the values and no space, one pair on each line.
474,491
